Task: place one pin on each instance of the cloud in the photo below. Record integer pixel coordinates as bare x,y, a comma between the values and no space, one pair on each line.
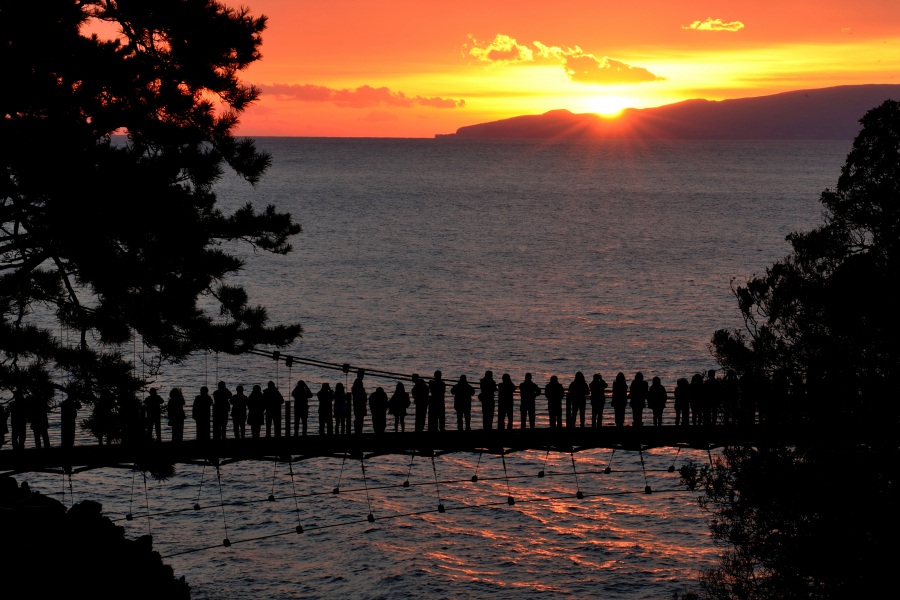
586,68
579,65
503,49
714,25
362,97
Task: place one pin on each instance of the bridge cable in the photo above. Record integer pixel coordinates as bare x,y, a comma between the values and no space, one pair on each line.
130,516
544,466
225,542
578,492
409,470
200,491
475,476
391,486
299,528
395,516
647,489
607,470
509,497
147,503
437,485
370,517
671,468
274,471
337,488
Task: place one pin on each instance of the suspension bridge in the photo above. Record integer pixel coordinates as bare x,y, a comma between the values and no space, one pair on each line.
291,449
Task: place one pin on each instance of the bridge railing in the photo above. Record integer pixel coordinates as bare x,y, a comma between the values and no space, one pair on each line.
84,437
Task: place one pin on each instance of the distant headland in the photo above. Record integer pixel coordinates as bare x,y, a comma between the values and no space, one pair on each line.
818,114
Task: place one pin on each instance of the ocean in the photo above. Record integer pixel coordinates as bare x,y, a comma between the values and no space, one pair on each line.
463,256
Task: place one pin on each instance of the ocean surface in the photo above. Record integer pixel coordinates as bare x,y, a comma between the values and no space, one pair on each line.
463,256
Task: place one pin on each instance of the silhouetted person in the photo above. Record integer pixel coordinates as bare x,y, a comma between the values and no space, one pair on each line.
638,396
462,403
710,398
619,398
239,404
656,400
153,414
696,399
68,415
40,424
301,395
221,408
528,393
326,398
273,400
200,412
576,399
397,406
682,402
256,411
18,420
378,404
437,391
554,392
420,396
176,415
358,394
341,410
505,399
487,387
598,399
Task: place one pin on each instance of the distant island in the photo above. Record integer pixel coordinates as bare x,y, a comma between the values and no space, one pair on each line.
820,114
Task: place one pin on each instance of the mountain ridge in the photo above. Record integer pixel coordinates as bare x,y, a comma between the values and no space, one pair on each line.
821,113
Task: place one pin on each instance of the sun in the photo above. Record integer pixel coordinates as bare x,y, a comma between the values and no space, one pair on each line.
607,106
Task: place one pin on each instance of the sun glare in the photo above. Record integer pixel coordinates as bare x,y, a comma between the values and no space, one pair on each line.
608,106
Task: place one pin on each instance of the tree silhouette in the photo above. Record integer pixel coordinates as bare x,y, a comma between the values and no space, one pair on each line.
818,519
822,318
109,227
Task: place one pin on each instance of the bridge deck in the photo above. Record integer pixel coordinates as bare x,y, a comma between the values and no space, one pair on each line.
85,457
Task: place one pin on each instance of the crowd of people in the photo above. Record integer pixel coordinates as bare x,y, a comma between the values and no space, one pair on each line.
698,402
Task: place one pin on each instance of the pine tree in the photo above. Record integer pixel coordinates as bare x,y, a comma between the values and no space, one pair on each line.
109,227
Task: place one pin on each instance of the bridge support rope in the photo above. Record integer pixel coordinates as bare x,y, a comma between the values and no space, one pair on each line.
578,493
437,485
475,476
225,542
296,503
200,491
147,503
509,497
370,517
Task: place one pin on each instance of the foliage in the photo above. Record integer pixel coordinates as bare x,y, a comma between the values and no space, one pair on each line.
818,519
822,317
816,522
109,227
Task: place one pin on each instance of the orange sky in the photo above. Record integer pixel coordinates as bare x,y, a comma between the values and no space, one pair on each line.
413,68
